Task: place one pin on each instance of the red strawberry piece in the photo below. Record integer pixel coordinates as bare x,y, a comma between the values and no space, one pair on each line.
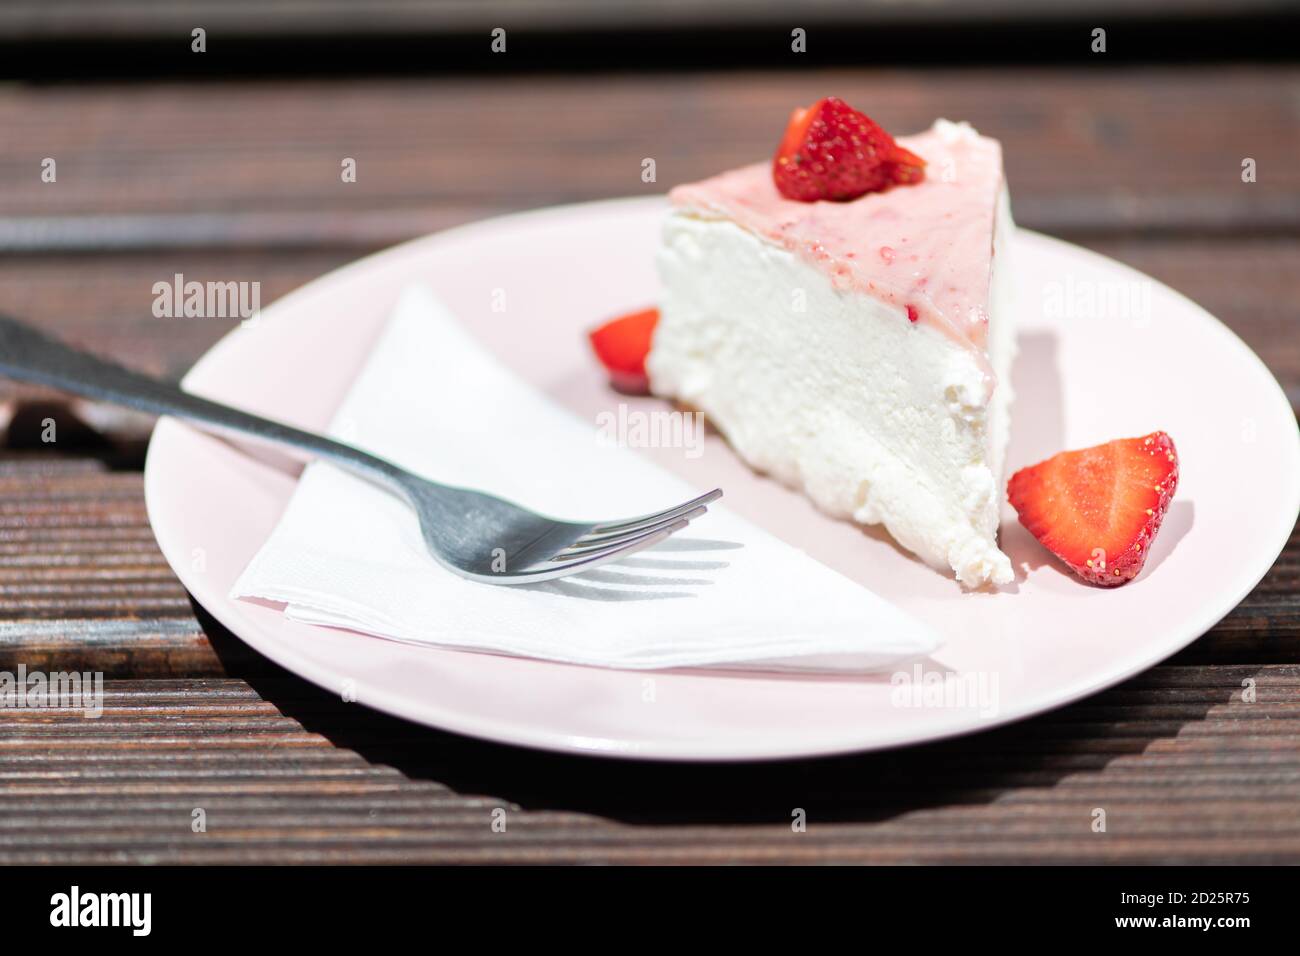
1098,509
831,151
622,345
905,167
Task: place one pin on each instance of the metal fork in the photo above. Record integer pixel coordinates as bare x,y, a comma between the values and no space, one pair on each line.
476,535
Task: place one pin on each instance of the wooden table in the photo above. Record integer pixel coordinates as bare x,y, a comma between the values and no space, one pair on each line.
240,181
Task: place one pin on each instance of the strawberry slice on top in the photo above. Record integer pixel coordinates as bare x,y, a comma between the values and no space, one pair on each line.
832,151
622,345
1098,509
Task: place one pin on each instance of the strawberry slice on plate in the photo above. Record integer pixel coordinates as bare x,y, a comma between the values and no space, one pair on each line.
622,345
832,151
1098,509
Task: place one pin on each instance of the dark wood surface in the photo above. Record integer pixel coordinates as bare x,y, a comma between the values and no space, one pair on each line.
241,180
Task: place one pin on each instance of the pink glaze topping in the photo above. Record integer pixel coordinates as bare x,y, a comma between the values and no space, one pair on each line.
926,248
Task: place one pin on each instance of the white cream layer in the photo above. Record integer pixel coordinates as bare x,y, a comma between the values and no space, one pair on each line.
836,393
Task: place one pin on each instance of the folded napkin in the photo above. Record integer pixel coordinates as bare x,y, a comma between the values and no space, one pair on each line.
722,593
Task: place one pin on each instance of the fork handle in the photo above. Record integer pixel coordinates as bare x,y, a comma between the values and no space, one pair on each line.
29,356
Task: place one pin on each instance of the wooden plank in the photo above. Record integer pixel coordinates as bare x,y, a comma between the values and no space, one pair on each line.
105,304
1095,151
286,773
84,587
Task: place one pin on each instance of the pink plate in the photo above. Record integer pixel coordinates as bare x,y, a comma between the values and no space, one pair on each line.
1105,352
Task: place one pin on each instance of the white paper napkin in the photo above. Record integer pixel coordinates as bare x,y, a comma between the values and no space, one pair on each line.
721,593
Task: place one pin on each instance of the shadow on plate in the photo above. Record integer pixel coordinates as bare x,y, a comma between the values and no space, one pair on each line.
620,581
1038,410
1178,522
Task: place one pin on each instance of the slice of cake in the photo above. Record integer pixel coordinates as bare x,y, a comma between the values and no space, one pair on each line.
857,349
